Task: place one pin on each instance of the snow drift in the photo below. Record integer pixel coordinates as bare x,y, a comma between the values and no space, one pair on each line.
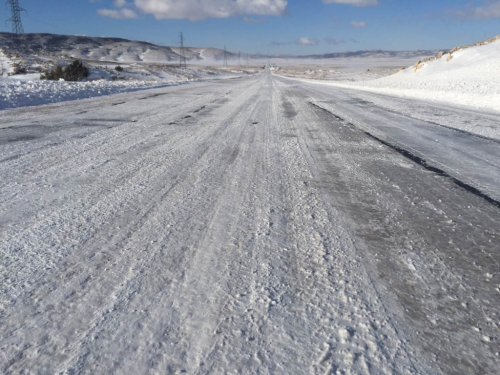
467,75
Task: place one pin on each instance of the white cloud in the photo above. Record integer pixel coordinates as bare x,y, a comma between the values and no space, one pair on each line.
120,14
490,10
356,3
195,10
305,41
358,24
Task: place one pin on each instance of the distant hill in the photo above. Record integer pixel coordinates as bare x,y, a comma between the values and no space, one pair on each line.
105,49
374,54
123,50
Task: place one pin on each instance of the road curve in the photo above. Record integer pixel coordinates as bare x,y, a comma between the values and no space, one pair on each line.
257,225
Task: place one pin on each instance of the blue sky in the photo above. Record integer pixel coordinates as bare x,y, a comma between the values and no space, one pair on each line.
272,26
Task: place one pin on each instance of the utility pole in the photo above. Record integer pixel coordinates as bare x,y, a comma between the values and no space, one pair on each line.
239,59
17,26
182,57
225,57
247,59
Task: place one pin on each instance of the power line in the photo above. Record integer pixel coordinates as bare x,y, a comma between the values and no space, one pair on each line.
17,26
182,56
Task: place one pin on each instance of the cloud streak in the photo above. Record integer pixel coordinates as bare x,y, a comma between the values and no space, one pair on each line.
306,41
334,41
358,24
120,14
356,3
491,10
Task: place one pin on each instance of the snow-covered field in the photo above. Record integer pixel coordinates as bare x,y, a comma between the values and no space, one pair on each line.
30,91
26,89
468,77
21,93
23,90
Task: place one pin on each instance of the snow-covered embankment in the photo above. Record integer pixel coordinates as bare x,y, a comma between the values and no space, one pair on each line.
464,76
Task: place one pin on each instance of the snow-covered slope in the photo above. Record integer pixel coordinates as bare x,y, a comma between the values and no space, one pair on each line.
5,64
105,49
468,75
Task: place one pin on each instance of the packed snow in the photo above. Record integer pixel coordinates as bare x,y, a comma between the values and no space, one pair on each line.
248,226
260,224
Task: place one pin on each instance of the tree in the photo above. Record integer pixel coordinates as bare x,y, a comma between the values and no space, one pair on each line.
76,71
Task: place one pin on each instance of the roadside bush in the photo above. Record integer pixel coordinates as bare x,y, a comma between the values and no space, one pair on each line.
54,74
76,71
18,69
118,68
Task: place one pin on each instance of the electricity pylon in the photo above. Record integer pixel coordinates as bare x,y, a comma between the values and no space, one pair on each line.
182,57
17,26
225,57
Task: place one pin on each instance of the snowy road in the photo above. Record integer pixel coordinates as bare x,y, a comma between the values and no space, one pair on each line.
258,225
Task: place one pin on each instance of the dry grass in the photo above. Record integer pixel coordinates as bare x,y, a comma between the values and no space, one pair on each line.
418,66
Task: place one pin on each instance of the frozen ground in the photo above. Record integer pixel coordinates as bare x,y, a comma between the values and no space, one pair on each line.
253,225
352,69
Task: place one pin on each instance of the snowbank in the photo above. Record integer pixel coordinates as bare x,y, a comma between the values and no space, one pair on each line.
27,90
5,64
21,93
463,76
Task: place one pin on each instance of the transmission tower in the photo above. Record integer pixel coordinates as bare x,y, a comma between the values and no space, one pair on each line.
225,57
17,26
182,56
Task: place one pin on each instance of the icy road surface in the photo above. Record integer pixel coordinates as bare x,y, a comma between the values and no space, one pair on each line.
254,226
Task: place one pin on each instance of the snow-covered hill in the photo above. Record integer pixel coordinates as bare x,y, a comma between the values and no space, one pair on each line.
115,65
466,75
123,50
105,49
477,65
